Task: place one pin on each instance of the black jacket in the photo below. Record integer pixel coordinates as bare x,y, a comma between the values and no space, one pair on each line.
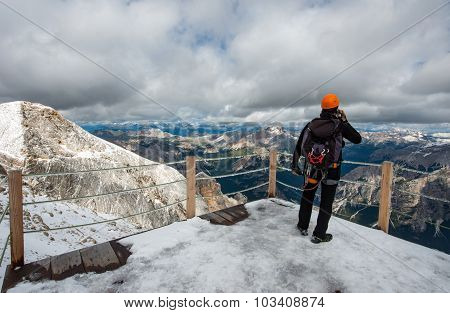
348,132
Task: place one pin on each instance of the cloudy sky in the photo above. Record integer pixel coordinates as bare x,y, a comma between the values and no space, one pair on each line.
228,59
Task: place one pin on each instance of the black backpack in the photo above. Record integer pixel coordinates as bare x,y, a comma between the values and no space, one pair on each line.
322,143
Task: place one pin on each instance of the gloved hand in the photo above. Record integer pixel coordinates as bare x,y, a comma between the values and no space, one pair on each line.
343,116
296,170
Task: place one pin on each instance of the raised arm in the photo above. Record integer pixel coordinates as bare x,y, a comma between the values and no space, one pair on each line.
350,133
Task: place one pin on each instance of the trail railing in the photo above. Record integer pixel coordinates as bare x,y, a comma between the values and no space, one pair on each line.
16,203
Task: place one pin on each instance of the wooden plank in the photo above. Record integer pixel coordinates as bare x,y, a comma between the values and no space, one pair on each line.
387,173
99,258
190,185
32,272
232,213
66,265
16,218
272,174
122,252
226,216
238,210
217,219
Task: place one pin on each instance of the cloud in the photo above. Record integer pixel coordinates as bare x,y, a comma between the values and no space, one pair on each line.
233,59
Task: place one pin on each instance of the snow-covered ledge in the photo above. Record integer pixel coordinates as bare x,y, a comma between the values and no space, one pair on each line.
265,253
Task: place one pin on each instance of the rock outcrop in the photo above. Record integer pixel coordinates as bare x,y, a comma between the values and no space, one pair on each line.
38,139
211,191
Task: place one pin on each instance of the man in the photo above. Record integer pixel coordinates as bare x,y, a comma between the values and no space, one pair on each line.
328,176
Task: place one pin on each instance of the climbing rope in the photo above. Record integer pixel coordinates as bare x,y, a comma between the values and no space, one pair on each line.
105,194
233,174
104,221
103,169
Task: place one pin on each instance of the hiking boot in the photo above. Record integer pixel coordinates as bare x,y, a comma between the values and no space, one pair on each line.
326,238
304,232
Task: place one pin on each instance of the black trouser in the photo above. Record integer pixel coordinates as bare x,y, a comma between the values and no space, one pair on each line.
328,187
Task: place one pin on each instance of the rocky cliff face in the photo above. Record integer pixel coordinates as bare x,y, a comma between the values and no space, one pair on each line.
37,139
421,209
211,191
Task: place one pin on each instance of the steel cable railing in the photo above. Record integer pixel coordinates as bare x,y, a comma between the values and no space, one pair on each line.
183,180
405,169
422,220
5,247
341,180
301,189
103,169
105,194
422,195
239,191
233,174
104,221
230,157
4,213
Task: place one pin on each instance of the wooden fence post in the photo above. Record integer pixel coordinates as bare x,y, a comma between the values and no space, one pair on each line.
272,174
387,173
16,218
190,185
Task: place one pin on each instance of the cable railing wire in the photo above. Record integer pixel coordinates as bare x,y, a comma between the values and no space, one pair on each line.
239,191
362,163
5,247
289,186
4,213
105,194
102,169
423,220
405,169
135,166
344,162
358,182
422,195
233,174
104,221
229,157
347,201
247,189
342,180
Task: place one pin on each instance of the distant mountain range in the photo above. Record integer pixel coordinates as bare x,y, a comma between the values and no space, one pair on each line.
427,149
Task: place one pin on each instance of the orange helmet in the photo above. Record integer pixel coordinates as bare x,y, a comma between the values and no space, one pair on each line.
330,101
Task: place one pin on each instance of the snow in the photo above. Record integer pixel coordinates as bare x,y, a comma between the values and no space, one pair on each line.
442,137
40,216
11,132
265,253
410,138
